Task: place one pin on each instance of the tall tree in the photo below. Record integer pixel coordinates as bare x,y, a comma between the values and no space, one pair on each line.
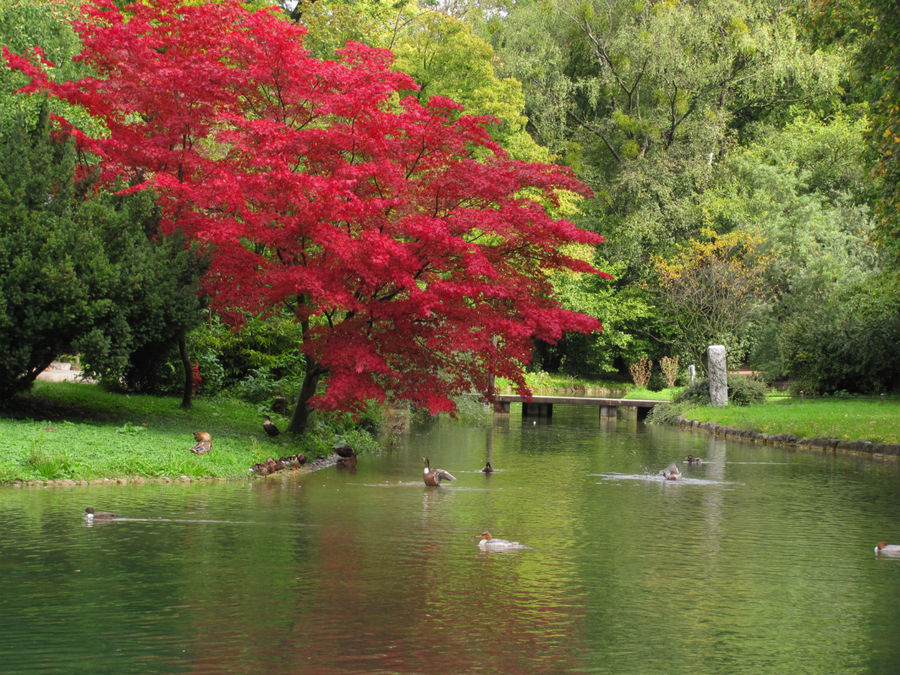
82,271
78,273
414,253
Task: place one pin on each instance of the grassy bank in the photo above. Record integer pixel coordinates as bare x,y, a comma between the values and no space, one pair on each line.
843,419
78,431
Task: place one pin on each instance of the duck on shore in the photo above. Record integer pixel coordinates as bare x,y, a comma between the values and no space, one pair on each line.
270,428
294,461
204,443
433,477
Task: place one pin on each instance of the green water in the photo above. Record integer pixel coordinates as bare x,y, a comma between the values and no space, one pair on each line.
760,561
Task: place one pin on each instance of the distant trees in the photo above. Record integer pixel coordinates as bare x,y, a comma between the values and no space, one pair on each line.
753,120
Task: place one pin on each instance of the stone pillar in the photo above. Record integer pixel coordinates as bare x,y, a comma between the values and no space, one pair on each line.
693,371
718,376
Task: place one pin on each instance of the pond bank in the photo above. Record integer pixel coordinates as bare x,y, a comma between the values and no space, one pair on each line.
823,444
315,465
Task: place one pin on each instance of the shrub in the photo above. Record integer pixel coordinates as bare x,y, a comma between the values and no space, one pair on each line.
741,391
669,367
640,372
666,414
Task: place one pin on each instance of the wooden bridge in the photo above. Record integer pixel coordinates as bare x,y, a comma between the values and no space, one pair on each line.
542,406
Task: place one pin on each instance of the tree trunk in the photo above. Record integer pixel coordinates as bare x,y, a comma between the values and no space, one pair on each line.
188,391
301,411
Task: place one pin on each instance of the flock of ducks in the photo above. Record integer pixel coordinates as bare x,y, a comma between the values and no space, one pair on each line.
672,472
272,465
432,478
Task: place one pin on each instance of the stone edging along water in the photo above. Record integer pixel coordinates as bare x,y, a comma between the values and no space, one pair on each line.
821,444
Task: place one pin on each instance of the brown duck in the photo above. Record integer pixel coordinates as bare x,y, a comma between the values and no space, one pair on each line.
204,443
671,472
433,477
270,428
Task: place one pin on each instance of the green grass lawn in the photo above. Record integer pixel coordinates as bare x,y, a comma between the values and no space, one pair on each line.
844,419
647,395
81,432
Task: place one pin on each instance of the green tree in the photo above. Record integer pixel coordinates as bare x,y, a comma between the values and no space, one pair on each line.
78,271
643,99
713,289
806,190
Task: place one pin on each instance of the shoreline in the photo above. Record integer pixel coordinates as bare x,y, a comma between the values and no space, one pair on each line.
315,465
823,444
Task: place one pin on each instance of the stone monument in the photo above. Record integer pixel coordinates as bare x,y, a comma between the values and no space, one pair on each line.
718,376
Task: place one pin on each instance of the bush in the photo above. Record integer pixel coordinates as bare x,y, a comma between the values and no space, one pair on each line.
640,372
845,341
741,391
666,414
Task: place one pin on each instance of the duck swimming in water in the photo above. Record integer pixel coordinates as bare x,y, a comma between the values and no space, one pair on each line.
671,472
883,548
487,468
690,459
488,543
433,477
90,515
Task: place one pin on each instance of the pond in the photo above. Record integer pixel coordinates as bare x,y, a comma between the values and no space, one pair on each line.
761,560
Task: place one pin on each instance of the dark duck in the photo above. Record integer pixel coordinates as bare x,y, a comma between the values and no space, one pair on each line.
433,477
90,515
270,428
346,456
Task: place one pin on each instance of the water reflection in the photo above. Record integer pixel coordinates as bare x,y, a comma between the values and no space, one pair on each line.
760,560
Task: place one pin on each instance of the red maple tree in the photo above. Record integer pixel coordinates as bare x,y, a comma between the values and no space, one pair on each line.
414,253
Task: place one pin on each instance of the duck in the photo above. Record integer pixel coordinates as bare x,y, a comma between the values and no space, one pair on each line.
433,477
271,465
883,548
270,428
487,468
294,461
204,443
690,459
489,543
344,450
671,472
346,462
90,515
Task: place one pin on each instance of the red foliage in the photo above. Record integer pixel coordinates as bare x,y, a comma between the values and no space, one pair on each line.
196,378
415,251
